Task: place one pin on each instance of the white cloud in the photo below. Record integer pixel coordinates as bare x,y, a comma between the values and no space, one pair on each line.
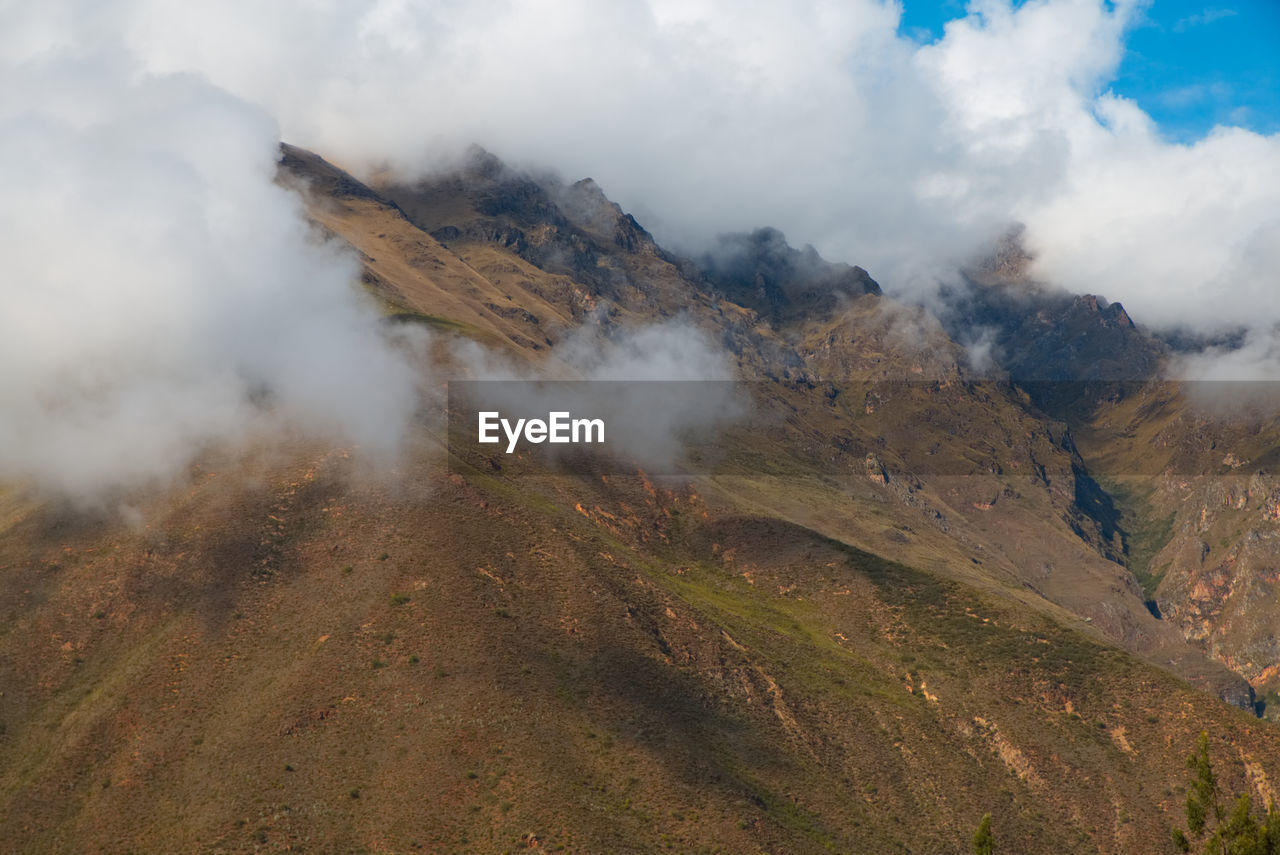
150,263
656,386
156,280
816,117
1200,19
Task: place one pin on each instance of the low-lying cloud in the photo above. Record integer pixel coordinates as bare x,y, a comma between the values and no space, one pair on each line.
815,117
657,386
160,291
158,285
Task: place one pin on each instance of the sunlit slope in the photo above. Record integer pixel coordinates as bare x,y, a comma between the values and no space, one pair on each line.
531,261
842,651
472,664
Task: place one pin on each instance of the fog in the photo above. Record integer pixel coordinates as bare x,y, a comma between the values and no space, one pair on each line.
655,386
814,117
161,292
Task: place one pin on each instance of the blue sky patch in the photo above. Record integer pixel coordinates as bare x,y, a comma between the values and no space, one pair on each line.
1189,64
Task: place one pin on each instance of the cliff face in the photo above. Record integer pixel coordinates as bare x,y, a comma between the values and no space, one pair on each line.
1183,471
1045,336
1219,574
822,336
763,272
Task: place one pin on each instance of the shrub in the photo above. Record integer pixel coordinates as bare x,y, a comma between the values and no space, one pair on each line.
984,841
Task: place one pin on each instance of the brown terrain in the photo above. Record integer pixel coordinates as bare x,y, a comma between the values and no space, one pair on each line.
924,594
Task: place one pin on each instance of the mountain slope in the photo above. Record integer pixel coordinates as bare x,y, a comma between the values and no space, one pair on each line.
305,663
832,649
1184,467
822,359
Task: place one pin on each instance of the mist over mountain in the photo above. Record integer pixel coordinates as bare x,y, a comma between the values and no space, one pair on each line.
914,600
161,289
762,271
968,549
818,119
822,121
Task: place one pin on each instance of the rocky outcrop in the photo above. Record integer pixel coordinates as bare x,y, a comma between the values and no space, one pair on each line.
322,177
762,271
1221,572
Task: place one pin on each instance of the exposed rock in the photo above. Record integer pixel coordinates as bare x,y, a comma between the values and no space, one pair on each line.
762,271
322,177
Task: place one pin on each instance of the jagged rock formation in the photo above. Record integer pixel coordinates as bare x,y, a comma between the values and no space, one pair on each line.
1173,460
954,448
763,272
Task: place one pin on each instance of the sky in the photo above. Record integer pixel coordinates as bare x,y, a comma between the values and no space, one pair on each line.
833,120
1189,64
157,285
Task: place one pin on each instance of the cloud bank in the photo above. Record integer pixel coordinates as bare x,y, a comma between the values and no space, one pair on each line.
160,291
816,117
157,284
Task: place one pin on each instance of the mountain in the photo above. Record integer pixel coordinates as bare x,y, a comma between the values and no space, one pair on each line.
763,272
1192,467
1048,340
910,601
984,432
1188,467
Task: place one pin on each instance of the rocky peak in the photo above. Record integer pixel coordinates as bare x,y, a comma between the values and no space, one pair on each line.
297,165
479,162
586,206
570,229
1009,259
1042,334
762,271
1111,315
